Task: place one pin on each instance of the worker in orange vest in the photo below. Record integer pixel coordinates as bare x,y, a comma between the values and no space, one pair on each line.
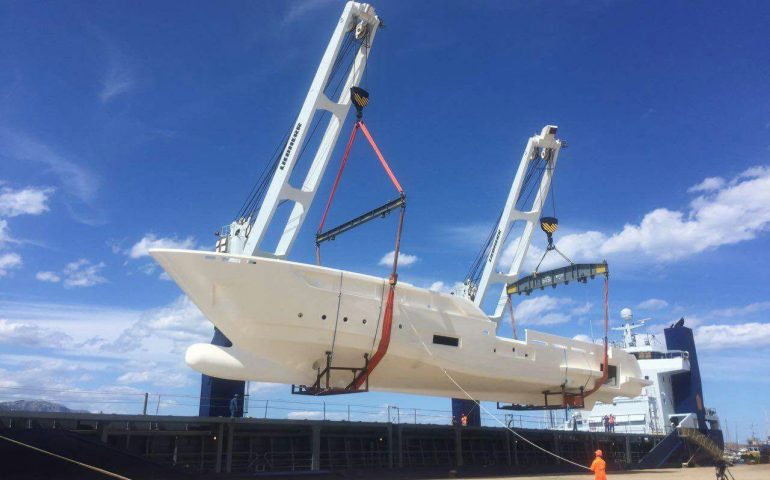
599,467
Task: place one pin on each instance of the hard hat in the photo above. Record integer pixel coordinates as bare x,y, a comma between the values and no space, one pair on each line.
598,453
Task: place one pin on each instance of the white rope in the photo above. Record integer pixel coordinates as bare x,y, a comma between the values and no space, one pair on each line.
337,318
425,346
84,465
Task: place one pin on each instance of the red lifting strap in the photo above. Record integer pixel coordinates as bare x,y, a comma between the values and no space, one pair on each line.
387,321
379,155
358,125
605,366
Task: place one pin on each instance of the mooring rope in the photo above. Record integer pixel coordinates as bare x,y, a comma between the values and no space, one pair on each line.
84,465
470,397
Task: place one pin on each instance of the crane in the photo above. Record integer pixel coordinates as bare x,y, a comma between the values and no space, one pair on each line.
540,155
355,30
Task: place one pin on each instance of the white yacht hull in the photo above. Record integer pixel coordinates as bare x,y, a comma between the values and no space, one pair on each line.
281,318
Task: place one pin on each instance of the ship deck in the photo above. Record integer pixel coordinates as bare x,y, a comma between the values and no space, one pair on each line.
195,447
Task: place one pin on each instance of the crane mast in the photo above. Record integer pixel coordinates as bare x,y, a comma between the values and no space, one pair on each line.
244,236
544,147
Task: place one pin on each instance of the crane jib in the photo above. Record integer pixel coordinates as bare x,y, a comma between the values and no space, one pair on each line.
579,272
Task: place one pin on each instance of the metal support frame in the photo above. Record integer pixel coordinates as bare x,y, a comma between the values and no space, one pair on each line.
323,383
568,400
247,241
547,146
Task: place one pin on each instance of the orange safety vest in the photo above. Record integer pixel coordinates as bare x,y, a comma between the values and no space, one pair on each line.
599,467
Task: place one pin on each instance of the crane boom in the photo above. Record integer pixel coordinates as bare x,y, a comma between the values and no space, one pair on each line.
544,146
245,235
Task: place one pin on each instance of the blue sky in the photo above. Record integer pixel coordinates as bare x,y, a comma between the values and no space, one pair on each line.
130,124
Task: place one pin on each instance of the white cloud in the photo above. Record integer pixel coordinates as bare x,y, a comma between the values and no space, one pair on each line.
141,248
305,415
159,335
739,365
585,338
80,273
82,322
70,381
542,310
582,309
148,268
158,376
736,211
749,309
83,273
31,335
652,304
722,337
118,80
9,261
302,8
80,185
142,348
120,75
48,277
404,259
5,237
27,201
259,388
180,323
708,185
442,287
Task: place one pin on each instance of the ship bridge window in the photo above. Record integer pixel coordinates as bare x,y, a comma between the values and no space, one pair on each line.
448,341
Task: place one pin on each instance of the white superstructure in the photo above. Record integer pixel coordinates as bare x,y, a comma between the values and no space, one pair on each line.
653,410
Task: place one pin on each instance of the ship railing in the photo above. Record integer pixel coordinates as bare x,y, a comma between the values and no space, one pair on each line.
120,401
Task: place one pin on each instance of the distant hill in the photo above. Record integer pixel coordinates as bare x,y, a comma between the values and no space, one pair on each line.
36,406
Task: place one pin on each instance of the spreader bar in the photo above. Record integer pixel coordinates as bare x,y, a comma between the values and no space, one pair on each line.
382,211
579,272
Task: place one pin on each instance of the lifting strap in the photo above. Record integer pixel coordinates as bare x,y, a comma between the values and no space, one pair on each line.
513,320
320,235
362,377
605,365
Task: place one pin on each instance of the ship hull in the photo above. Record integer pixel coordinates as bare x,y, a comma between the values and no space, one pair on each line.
282,317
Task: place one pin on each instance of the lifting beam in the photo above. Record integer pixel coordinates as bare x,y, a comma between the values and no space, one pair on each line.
578,272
